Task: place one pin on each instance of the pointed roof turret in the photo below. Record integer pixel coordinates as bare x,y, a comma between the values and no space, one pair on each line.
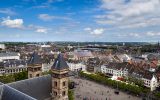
35,59
59,63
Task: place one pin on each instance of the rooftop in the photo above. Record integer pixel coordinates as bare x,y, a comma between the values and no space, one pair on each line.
60,63
38,88
35,59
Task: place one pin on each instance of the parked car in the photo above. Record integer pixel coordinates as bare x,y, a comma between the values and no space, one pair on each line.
116,92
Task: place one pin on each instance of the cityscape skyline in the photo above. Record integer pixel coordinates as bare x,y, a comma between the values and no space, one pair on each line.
80,20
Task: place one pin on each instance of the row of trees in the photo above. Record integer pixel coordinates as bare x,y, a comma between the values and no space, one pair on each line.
135,81
134,89
14,77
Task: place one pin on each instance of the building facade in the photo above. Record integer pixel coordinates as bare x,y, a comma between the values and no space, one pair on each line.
34,66
77,67
60,79
9,56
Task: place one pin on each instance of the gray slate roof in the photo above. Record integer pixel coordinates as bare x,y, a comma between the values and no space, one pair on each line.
60,63
35,59
39,87
9,63
9,93
8,54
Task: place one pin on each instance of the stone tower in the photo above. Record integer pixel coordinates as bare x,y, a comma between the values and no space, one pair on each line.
34,66
60,79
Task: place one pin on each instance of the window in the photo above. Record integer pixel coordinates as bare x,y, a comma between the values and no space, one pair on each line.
55,93
37,75
30,75
64,83
63,93
55,84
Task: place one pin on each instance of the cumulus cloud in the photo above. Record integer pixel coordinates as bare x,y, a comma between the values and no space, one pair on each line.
41,30
153,34
51,1
132,8
87,29
97,31
7,11
148,34
131,14
47,17
12,23
38,29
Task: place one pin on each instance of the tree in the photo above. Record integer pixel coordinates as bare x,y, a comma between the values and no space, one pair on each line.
7,78
21,76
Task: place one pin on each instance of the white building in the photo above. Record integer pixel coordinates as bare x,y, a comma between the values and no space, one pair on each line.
12,70
2,71
8,56
82,55
45,46
77,67
115,70
150,82
13,66
2,46
120,70
46,67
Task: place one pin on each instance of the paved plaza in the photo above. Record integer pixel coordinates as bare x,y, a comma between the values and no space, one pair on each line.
95,91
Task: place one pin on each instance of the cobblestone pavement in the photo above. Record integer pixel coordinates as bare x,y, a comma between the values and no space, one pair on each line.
95,91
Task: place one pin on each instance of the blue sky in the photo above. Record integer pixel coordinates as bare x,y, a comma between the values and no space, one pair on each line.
80,20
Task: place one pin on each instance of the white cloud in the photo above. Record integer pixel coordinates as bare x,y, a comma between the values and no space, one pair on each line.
41,30
15,23
153,34
87,29
7,11
47,17
40,6
51,1
126,35
139,35
133,8
134,35
132,14
97,31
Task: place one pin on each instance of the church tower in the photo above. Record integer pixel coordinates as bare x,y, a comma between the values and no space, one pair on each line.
34,66
60,79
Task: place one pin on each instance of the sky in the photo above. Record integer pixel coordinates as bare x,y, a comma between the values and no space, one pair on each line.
80,20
